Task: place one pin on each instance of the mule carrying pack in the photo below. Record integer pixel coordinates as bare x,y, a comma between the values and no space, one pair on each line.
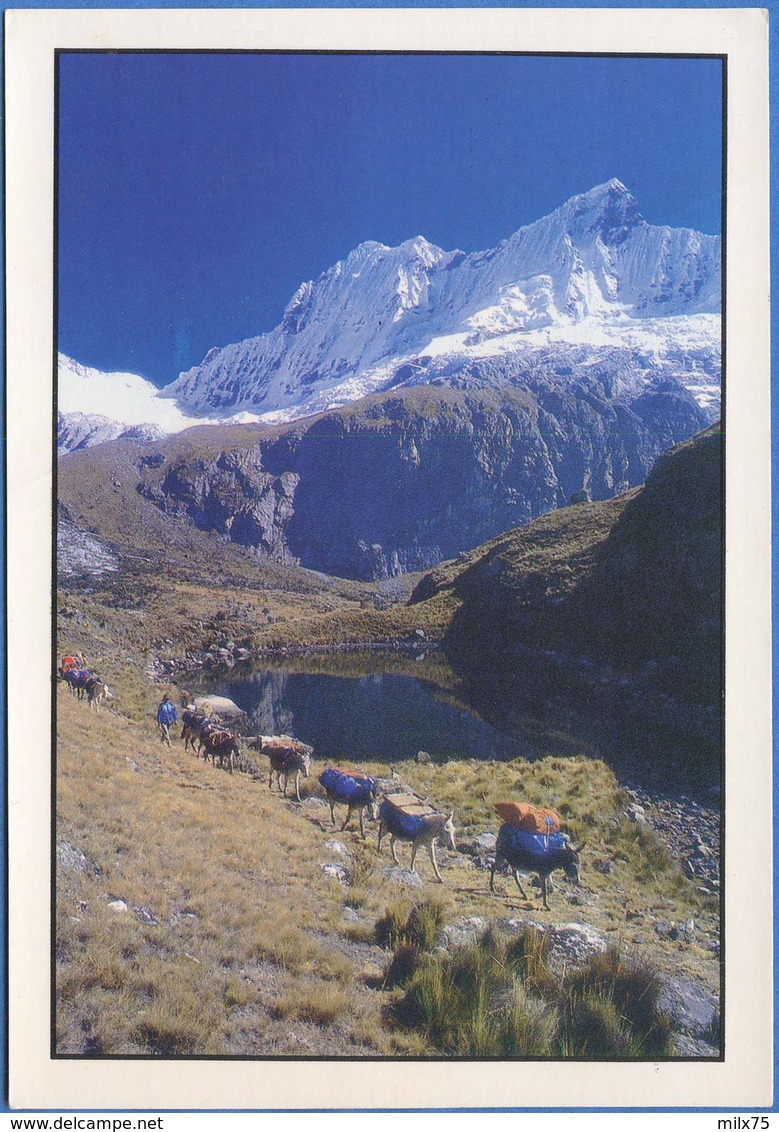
349,785
405,814
529,818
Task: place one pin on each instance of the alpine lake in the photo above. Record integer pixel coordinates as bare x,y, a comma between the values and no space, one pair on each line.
386,706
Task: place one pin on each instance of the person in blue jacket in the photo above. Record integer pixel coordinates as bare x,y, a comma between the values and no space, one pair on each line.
166,717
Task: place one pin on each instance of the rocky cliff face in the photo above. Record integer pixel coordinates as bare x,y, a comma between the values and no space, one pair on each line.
403,480
231,495
637,585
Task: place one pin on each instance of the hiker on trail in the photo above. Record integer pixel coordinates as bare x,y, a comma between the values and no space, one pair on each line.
166,717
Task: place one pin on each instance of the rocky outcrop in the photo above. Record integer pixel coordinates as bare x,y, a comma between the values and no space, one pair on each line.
400,481
82,554
232,496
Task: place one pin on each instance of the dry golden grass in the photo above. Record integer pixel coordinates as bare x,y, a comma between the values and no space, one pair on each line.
229,873
248,943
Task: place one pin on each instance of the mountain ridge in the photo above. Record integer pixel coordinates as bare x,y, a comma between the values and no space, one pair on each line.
592,271
401,480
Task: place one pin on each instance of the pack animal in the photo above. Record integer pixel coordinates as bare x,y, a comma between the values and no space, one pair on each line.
97,692
430,829
355,791
560,855
287,757
209,727
223,745
192,721
76,679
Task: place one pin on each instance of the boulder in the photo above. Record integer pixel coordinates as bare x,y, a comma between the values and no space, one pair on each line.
71,860
220,705
398,875
465,930
485,843
338,872
576,943
692,1008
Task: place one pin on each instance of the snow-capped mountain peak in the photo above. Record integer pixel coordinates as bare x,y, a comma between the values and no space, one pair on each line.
592,270
590,280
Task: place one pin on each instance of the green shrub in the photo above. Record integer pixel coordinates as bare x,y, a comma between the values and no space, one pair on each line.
424,922
390,926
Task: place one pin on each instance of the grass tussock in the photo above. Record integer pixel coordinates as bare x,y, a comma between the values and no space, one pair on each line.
410,930
322,1005
499,998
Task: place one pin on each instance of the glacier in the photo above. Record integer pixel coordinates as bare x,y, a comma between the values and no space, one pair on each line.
94,406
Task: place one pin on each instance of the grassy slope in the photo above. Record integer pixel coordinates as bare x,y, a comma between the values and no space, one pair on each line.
250,947
250,952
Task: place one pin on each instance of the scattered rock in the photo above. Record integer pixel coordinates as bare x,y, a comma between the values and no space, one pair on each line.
70,859
690,831
575,943
144,914
486,843
118,906
350,916
465,930
73,615
422,757
179,914
337,847
313,803
512,925
604,865
686,931
340,872
685,1046
396,874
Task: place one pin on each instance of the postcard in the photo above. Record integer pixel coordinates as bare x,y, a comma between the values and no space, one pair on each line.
389,560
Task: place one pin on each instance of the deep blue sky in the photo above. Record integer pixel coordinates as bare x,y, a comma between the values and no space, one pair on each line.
196,192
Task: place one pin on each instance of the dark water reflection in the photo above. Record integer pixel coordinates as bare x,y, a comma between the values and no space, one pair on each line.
383,716
387,707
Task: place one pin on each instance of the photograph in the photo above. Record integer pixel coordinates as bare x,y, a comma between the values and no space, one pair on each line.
389,523
388,573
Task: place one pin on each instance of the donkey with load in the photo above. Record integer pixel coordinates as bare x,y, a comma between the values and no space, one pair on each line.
287,756
352,788
530,841
407,818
